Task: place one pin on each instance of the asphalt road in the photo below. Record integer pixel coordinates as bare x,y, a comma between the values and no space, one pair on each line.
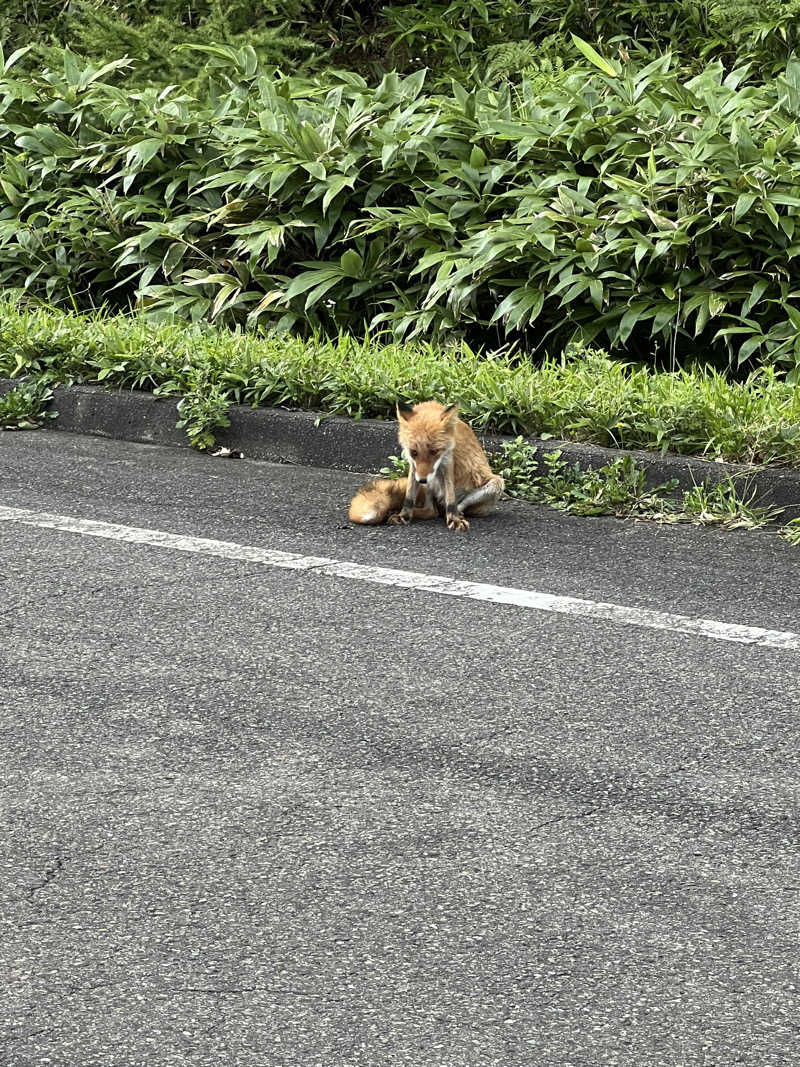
259,817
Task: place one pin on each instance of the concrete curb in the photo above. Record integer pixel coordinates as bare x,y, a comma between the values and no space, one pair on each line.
314,439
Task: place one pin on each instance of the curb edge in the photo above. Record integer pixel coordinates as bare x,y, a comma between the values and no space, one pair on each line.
311,438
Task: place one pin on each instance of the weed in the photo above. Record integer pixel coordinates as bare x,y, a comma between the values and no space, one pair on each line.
397,467
620,488
617,488
726,504
583,396
202,411
25,407
518,463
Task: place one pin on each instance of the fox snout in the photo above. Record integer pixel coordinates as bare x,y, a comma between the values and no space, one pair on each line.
424,469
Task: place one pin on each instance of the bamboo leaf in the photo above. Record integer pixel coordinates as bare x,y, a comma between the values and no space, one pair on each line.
594,57
352,264
308,279
338,183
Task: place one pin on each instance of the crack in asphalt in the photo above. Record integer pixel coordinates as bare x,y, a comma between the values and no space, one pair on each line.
577,815
50,874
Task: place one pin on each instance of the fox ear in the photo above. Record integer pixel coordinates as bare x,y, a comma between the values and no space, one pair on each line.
403,413
450,413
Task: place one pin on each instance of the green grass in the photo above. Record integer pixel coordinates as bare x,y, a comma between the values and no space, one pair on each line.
585,396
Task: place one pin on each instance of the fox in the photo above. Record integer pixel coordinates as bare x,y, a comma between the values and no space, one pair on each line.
448,475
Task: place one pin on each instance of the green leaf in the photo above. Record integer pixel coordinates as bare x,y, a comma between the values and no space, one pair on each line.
352,264
317,294
748,348
341,181
594,57
15,55
226,294
759,289
477,158
770,211
743,205
461,94
663,317
308,279
172,257
140,154
15,198
630,319
279,176
523,305
316,170
596,292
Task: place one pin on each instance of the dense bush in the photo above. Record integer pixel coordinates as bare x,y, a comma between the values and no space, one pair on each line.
463,37
154,33
621,202
459,35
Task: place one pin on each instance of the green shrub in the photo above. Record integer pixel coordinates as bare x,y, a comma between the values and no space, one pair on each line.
155,35
459,37
617,488
620,488
765,33
25,407
632,207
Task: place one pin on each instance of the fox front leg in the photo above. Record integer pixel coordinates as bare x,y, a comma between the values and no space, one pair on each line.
452,513
405,514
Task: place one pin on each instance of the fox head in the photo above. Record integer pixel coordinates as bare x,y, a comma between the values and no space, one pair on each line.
427,435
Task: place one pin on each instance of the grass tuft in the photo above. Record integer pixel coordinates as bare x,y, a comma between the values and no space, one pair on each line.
25,408
583,396
620,489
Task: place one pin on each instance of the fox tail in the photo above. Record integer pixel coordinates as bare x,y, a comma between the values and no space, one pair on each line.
375,501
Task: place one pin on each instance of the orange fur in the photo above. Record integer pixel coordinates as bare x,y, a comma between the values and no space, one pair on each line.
374,500
448,465
432,426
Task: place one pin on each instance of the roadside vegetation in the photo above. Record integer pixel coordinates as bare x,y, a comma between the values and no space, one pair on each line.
485,173
584,395
26,406
581,223
620,489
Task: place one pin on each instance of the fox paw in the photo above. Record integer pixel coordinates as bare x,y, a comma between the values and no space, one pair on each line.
457,522
398,519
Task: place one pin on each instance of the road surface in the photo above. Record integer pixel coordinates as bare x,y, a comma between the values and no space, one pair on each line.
266,809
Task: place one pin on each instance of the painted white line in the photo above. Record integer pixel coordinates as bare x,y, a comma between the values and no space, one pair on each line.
429,583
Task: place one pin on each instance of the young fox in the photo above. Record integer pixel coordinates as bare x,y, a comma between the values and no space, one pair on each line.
448,473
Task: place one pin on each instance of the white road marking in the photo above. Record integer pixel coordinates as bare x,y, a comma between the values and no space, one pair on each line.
429,583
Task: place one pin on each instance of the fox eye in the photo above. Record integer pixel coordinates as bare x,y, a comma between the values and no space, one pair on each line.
435,451
413,453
